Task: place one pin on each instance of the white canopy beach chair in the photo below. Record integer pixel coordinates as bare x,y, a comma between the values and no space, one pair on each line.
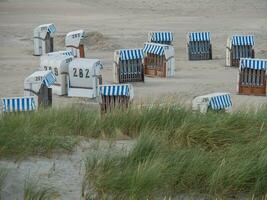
43,39
38,84
84,77
59,66
74,43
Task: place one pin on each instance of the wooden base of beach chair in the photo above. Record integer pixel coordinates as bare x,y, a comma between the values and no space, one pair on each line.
155,72
111,102
251,90
161,73
150,72
155,65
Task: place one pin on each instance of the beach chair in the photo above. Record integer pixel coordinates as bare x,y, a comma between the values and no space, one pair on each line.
199,46
58,64
43,39
74,43
239,46
214,102
159,60
18,104
252,76
160,37
128,65
38,85
115,96
84,77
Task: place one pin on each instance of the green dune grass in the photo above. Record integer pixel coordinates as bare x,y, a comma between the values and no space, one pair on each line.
36,191
177,151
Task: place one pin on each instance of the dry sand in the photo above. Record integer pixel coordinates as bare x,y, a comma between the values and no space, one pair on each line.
63,172
124,24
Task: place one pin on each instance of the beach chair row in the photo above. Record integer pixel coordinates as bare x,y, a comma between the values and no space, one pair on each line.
73,75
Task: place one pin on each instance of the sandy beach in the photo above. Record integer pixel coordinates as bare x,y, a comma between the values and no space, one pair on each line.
116,24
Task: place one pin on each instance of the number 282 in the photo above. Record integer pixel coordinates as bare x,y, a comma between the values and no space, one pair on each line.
81,73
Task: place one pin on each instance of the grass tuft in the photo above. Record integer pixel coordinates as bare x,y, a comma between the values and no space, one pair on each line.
34,191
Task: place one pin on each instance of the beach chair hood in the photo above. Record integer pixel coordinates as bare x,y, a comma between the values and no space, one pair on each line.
42,30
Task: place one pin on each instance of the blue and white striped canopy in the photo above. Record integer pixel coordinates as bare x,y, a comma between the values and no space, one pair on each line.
131,54
16,104
220,102
51,28
162,37
259,64
199,36
49,79
66,53
154,48
115,90
243,40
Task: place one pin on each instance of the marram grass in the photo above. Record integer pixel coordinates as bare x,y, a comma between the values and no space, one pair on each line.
181,152
36,191
59,129
178,151
152,169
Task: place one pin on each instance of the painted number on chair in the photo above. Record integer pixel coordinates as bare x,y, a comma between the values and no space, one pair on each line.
56,71
81,73
50,69
38,78
87,73
47,68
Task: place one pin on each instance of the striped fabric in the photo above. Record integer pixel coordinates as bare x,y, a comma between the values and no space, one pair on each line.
66,53
115,90
220,102
154,48
199,36
49,79
15,104
162,37
131,54
51,28
243,40
251,63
